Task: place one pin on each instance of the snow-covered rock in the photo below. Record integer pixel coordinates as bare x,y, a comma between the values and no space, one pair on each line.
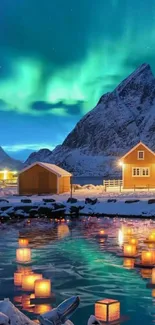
119,121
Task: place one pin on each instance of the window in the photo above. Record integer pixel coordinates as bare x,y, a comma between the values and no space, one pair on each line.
140,172
140,155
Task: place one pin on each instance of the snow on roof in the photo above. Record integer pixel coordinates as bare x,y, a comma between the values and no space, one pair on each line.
53,168
136,146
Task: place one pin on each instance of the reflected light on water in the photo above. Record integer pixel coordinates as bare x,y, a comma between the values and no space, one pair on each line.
128,263
146,273
63,231
120,237
41,309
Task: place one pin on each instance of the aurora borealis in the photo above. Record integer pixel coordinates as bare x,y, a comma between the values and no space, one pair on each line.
57,57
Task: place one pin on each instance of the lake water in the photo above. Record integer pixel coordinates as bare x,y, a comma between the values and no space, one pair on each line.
77,263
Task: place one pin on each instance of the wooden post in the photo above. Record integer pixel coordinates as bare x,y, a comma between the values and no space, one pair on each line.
71,194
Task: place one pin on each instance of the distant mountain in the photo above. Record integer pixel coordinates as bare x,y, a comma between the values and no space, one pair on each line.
119,121
7,162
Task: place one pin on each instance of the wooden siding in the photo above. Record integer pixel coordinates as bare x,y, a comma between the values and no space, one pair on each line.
37,180
131,161
64,184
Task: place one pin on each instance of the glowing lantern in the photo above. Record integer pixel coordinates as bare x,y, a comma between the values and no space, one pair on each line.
128,263
148,257
23,255
18,279
152,237
102,232
127,231
23,242
107,310
63,231
129,250
41,309
29,280
42,288
133,241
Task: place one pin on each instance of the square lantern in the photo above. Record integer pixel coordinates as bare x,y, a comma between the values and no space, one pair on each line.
23,242
130,250
133,241
148,257
107,310
151,237
42,288
23,255
28,281
153,276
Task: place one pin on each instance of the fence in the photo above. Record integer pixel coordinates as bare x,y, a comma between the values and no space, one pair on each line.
113,183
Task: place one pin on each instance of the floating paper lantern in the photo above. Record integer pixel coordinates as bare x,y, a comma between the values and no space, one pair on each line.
107,310
28,281
102,232
127,231
42,288
148,257
41,309
23,255
23,242
130,250
151,237
133,241
128,263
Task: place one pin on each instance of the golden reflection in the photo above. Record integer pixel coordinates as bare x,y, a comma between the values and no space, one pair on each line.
153,293
28,281
133,241
23,242
146,273
23,255
63,231
128,263
41,309
153,276
120,237
21,271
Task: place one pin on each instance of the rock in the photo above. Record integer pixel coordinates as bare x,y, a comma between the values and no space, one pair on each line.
26,201
33,213
4,200
45,211
57,206
151,201
71,200
111,200
132,201
91,201
74,210
48,200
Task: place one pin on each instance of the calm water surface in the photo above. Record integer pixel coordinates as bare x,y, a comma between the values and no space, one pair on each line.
78,263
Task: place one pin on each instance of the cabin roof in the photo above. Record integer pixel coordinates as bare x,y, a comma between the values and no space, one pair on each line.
136,146
50,167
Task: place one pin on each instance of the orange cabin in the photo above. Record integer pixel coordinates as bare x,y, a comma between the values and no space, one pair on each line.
138,168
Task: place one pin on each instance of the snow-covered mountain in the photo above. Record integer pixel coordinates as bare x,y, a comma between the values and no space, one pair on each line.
7,162
119,121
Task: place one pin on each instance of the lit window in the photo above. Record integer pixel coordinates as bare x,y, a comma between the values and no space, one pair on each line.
141,172
140,155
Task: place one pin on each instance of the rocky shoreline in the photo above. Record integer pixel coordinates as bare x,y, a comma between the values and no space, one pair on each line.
74,208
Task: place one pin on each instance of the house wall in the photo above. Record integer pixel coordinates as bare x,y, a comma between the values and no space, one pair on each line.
37,180
131,161
64,184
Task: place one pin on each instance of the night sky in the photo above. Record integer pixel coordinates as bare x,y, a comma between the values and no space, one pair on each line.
57,57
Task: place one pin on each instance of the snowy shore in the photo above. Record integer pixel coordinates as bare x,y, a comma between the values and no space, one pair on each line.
86,201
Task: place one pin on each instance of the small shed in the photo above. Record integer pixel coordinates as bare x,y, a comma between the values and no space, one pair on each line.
43,178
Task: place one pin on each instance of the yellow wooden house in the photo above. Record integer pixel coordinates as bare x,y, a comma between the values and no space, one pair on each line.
138,167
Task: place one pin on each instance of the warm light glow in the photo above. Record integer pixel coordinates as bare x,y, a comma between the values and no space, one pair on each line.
130,250
153,293
133,241
127,231
23,255
41,309
29,280
102,232
152,237
146,273
5,174
153,276
107,310
42,288
121,163
18,279
120,237
128,263
23,242
148,257
63,231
